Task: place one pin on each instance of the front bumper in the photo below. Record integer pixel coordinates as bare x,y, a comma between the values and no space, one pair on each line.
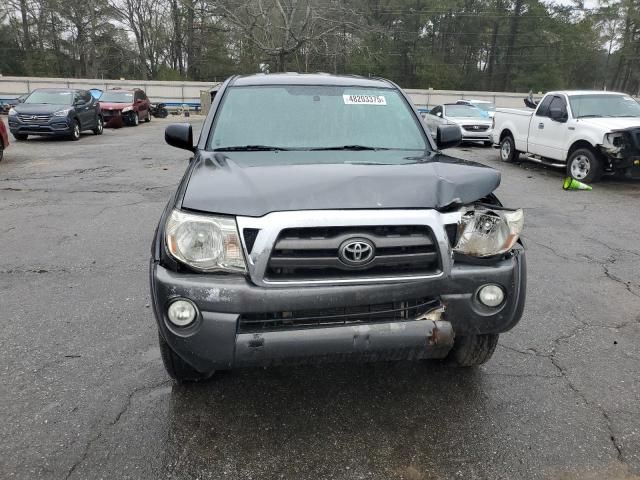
55,126
214,340
112,118
470,135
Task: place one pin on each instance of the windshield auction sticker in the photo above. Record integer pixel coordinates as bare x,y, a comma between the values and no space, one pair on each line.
364,100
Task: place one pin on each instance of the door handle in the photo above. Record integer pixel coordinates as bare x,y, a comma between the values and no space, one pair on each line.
541,126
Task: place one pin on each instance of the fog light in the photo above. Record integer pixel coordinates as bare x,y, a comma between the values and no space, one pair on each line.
491,295
182,312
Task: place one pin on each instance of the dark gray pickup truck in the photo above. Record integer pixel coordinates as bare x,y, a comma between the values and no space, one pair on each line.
318,221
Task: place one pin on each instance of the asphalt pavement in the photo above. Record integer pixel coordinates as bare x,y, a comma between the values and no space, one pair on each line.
83,394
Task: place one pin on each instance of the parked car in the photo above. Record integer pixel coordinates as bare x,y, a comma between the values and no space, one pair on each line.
4,139
317,221
56,112
487,107
125,106
474,124
588,133
6,106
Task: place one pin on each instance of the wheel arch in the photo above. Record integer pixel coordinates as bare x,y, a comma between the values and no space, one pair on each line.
578,144
505,133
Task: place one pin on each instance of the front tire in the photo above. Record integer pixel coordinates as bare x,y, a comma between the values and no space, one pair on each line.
135,119
1,150
473,350
177,368
508,152
75,131
99,128
584,165
147,119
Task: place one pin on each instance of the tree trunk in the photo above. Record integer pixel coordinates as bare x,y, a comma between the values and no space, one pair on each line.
511,42
26,37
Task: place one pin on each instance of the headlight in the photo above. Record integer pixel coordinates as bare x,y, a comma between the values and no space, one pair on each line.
484,232
204,242
127,109
62,113
12,111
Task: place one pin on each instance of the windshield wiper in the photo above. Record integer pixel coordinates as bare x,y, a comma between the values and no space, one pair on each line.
350,147
590,116
251,148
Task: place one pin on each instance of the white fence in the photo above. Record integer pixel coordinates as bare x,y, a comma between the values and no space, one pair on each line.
178,93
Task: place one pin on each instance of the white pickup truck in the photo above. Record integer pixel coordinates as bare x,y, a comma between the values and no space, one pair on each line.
589,133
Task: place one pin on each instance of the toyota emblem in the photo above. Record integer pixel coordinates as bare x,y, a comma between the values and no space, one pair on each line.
356,252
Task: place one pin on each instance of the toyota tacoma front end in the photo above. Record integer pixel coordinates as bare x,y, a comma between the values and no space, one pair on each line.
335,231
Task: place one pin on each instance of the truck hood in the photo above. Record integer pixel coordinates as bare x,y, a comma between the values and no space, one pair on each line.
610,124
114,106
39,108
256,183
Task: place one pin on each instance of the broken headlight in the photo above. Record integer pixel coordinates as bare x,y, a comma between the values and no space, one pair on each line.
485,232
204,242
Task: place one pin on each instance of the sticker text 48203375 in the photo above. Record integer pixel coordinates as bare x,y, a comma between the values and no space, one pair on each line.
364,100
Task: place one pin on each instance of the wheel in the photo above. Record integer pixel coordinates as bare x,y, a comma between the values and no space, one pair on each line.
473,350
135,120
488,143
508,152
21,137
1,150
147,119
584,165
75,131
177,368
100,128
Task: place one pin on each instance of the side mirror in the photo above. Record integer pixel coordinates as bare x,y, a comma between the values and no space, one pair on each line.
179,135
558,114
448,136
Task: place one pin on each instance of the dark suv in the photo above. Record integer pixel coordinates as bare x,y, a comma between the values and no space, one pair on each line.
319,221
125,106
56,112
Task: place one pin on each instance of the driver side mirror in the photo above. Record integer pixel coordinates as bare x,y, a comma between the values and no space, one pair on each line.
558,114
448,136
180,135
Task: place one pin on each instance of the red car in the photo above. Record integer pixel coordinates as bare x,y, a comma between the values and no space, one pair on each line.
4,139
128,107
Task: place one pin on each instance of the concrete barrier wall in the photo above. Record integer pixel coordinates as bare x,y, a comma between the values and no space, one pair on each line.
171,93
177,93
432,98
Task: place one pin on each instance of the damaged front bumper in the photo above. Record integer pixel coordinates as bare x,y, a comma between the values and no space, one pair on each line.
621,148
219,339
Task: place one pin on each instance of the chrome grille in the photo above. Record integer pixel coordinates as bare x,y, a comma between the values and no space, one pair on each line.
313,253
27,118
476,128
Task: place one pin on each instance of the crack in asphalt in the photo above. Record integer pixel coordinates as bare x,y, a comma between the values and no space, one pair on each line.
563,373
604,265
123,410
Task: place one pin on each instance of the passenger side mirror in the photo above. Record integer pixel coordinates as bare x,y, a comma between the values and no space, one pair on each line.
558,114
448,136
179,135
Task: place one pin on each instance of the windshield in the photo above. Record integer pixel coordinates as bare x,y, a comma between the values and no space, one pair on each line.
604,106
117,97
486,107
462,111
316,117
53,97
